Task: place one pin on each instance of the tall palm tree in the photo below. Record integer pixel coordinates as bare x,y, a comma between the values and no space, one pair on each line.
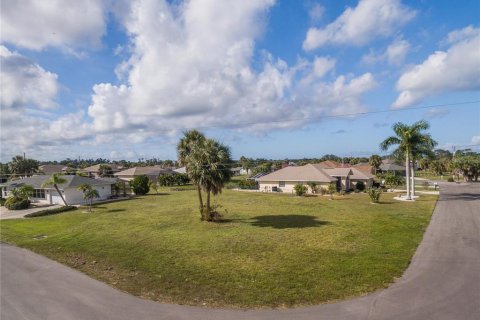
212,161
191,139
375,161
411,141
56,179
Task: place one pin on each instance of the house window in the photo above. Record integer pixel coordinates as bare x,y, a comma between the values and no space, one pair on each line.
38,193
281,184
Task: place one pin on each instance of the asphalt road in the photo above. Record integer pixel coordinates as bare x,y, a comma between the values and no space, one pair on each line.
442,282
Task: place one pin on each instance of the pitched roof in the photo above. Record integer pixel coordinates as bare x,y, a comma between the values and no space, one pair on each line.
360,175
139,171
391,167
330,164
96,167
52,168
339,172
364,168
307,172
71,182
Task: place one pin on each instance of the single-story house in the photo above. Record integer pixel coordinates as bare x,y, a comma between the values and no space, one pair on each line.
93,171
49,195
236,171
284,180
151,172
393,168
330,164
342,176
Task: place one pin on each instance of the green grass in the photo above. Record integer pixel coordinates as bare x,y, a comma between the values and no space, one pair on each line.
272,250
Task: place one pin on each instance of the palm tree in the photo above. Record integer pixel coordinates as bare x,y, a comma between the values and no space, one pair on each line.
23,167
55,180
375,161
411,142
211,163
185,146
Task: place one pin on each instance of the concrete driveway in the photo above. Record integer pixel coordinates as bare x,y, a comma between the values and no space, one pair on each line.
17,214
442,282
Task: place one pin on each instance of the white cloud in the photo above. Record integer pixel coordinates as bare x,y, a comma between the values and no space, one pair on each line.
394,54
202,74
436,113
34,24
476,140
443,71
316,12
359,25
25,83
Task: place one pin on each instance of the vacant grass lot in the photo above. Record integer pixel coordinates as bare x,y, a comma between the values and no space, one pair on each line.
272,250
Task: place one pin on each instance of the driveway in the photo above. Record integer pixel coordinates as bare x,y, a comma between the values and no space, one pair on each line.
16,214
442,282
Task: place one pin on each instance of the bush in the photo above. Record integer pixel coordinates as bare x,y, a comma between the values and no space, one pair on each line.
360,186
300,189
247,184
47,212
450,179
2,202
13,204
374,194
140,185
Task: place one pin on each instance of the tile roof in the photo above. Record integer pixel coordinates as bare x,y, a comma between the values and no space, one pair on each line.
339,172
95,168
71,182
360,175
139,171
391,167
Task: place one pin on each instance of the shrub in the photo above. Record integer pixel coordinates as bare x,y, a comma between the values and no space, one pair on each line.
247,184
15,204
313,186
360,186
2,201
300,189
374,194
450,179
47,212
140,185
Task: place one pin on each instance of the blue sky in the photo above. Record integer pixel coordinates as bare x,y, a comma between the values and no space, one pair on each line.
271,79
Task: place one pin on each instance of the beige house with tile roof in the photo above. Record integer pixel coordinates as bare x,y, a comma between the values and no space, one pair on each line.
284,180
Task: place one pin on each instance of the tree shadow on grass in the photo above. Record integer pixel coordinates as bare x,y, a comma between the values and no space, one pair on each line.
287,221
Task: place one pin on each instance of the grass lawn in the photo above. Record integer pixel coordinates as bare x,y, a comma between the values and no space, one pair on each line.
272,250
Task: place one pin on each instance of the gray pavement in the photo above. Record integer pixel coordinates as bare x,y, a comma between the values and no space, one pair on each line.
442,282
18,214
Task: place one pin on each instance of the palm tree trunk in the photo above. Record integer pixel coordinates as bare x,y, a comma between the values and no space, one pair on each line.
413,178
60,194
407,167
200,199
208,206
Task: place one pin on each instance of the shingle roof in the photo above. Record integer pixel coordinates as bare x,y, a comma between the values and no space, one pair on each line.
339,172
307,172
95,168
360,175
139,171
391,167
71,182
52,168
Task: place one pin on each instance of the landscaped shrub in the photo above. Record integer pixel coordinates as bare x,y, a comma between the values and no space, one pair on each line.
247,184
360,186
140,185
332,188
47,212
450,179
313,186
300,189
2,201
13,204
374,194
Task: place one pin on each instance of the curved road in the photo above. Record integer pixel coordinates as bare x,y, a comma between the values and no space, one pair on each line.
442,282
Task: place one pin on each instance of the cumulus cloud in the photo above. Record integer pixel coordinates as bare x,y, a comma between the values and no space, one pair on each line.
35,24
191,67
455,69
25,83
394,54
359,25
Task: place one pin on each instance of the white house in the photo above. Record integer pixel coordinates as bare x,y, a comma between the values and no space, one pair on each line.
151,172
49,195
284,180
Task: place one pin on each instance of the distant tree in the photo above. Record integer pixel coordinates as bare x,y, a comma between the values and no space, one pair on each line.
4,172
375,161
360,186
56,179
89,193
392,181
23,167
468,165
140,185
105,170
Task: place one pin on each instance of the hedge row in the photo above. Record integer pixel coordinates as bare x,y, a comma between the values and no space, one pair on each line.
47,212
